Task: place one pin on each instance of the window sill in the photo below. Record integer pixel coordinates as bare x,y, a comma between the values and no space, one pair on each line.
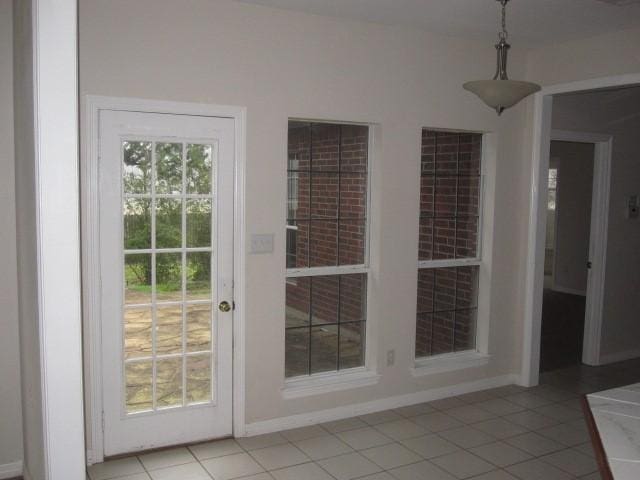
329,382
449,362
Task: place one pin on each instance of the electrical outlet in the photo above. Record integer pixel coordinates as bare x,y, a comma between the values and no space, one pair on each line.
391,357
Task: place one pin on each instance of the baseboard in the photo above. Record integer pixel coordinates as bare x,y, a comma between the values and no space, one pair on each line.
571,291
91,458
619,356
11,470
339,413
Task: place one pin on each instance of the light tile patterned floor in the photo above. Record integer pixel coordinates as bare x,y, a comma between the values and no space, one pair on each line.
507,433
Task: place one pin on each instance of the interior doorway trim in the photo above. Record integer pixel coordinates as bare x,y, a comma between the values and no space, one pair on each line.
534,273
93,104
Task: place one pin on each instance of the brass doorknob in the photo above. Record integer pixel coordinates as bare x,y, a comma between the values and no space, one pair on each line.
224,306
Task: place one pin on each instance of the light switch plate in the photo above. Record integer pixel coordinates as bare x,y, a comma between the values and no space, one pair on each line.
261,243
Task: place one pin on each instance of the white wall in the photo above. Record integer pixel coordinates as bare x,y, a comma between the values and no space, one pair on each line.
10,407
573,210
282,64
605,55
33,422
616,113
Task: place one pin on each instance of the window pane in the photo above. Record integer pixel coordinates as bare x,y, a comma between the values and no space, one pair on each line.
353,195
553,178
445,196
298,303
442,333
199,169
136,167
424,325
445,289
552,200
425,241
467,237
299,146
338,305
470,154
448,189
325,147
353,298
352,345
444,238
198,275
324,304
427,158
323,243
139,386
324,195
168,223
198,223
297,244
299,188
426,195
199,328
169,168
467,287
198,378
352,242
465,329
296,351
468,196
169,382
169,276
452,294
354,148
137,278
425,290
169,329
137,223
137,332
447,153
324,348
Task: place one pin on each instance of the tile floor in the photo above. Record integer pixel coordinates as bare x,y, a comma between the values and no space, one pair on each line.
507,433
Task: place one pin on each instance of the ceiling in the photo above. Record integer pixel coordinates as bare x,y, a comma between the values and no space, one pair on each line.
532,22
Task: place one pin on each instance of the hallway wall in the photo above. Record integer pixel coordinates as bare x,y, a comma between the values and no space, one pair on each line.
573,210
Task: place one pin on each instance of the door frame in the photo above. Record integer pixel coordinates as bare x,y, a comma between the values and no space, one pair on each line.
597,236
93,104
534,270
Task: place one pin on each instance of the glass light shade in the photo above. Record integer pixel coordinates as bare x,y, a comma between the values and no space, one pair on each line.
501,94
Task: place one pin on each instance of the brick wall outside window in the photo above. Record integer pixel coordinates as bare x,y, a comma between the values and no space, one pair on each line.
326,227
450,191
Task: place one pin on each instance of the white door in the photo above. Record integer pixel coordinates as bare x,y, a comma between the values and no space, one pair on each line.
166,262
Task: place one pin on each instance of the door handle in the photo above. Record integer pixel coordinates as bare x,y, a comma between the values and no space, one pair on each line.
589,265
224,306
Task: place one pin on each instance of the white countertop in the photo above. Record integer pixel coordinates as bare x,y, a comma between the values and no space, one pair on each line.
617,416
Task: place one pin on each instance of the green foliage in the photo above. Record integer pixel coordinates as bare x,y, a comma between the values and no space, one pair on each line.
137,213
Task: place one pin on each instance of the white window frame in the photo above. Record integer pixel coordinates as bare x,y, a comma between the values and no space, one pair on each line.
324,382
478,356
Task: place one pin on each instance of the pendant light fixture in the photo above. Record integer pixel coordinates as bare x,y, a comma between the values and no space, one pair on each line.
501,93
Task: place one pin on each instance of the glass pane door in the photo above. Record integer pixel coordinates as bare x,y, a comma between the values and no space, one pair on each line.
168,207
